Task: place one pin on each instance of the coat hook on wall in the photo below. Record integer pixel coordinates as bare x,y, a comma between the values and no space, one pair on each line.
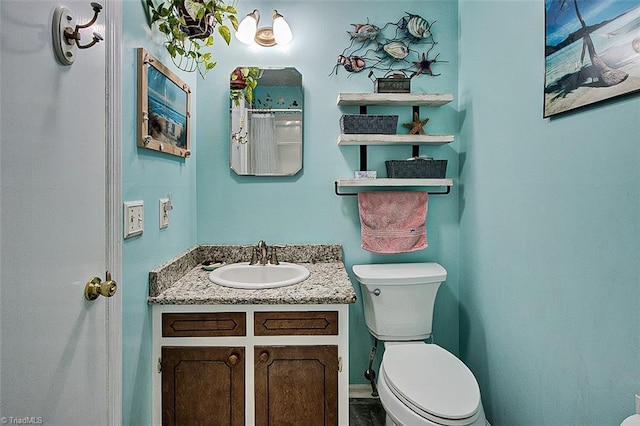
66,33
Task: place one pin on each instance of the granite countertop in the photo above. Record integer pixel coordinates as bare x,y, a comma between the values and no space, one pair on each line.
182,281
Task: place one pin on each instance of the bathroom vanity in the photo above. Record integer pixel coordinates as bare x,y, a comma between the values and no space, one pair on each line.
271,356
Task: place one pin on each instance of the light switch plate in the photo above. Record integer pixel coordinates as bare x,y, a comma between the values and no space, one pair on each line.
133,218
165,208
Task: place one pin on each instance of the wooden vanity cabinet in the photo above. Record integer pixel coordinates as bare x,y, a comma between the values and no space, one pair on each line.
296,385
203,385
260,367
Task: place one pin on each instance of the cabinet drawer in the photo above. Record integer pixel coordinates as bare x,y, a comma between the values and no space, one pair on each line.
310,323
204,324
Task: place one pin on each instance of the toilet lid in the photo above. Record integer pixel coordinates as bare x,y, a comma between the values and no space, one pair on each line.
431,381
400,273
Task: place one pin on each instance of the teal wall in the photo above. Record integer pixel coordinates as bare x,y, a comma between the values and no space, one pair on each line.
549,233
148,175
540,234
213,205
304,208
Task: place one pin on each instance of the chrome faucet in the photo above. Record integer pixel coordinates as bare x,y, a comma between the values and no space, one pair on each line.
254,255
262,252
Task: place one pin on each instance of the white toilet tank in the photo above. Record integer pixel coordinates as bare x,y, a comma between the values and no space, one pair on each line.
399,298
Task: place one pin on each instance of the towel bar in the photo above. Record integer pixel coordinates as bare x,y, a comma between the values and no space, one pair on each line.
343,194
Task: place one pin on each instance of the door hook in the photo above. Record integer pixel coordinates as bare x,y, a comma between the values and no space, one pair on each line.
66,33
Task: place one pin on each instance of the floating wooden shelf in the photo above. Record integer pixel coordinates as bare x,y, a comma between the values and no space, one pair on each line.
376,139
415,100
428,99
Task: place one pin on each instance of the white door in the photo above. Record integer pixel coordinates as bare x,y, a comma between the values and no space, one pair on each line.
59,353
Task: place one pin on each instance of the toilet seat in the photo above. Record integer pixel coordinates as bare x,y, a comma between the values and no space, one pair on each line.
432,383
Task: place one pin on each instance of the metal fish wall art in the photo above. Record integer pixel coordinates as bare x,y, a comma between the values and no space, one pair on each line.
349,63
424,64
416,26
396,49
364,32
387,49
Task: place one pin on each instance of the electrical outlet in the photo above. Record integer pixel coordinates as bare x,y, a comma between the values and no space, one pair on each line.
165,208
133,218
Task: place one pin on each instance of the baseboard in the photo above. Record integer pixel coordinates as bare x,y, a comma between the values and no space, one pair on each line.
357,390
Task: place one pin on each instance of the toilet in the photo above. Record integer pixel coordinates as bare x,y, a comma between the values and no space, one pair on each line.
419,383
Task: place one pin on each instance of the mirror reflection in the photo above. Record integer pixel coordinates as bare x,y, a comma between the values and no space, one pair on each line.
266,121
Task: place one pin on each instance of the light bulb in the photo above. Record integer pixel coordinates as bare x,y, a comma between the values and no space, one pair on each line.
281,30
247,28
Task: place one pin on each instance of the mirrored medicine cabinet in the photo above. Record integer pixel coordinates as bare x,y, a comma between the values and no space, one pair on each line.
266,131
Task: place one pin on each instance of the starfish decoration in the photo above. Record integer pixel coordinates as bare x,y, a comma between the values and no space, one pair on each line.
417,125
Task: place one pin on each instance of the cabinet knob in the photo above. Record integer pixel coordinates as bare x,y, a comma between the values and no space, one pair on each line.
233,359
264,357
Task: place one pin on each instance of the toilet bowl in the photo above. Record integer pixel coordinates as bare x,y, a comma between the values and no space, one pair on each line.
419,383
633,420
423,384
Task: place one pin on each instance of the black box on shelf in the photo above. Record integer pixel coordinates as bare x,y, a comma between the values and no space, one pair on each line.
419,168
392,85
369,124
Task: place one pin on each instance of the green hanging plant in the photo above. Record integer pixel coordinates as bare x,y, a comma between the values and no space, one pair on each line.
243,81
189,27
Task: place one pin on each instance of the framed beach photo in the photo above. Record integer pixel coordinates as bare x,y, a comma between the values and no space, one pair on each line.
592,52
164,117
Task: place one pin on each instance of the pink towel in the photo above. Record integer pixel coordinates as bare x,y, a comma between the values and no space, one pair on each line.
393,221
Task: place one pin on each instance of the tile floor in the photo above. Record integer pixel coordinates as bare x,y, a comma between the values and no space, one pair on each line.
366,412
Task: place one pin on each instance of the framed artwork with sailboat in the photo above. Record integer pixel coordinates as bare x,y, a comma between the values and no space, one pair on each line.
592,52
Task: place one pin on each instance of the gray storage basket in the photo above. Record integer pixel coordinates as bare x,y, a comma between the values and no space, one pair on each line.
369,124
419,168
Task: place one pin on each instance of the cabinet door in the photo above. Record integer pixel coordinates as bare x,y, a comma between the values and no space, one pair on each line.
296,385
202,385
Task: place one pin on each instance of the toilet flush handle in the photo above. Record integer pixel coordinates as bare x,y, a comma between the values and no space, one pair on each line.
375,292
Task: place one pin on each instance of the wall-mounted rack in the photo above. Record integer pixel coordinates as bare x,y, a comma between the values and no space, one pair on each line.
384,182
363,140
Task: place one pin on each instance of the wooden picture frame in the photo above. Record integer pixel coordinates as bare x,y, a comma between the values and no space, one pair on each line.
164,108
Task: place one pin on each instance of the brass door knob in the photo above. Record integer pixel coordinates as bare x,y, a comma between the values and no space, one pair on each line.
96,288
232,360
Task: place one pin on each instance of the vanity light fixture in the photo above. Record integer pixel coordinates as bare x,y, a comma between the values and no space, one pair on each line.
279,33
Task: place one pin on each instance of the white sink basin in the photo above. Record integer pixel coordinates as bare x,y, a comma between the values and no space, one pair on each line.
256,277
